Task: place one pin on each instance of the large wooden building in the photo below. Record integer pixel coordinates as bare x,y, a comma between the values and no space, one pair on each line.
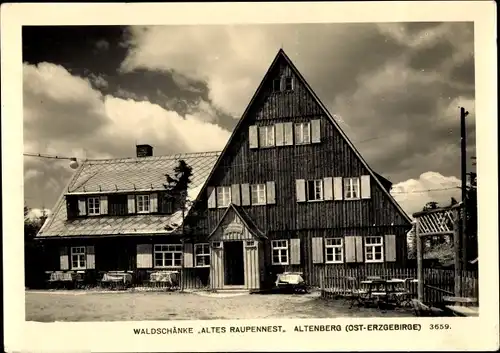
289,192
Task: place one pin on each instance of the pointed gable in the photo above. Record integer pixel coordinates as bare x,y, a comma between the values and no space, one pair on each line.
245,160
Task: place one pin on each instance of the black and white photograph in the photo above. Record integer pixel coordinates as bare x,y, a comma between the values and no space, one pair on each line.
251,171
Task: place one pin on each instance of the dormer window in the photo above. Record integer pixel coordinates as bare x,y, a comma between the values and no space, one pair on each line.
142,203
94,204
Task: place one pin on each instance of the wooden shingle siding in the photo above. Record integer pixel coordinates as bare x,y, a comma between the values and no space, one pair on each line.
104,205
131,203
144,256
63,258
90,252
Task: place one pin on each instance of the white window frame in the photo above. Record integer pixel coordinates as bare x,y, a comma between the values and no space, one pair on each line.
267,136
336,246
81,257
223,196
371,247
291,83
352,188
145,200
94,206
318,187
281,246
203,255
164,249
217,244
250,244
258,190
301,137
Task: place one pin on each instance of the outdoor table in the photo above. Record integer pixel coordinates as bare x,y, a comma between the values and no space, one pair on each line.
464,310
385,290
171,278
117,277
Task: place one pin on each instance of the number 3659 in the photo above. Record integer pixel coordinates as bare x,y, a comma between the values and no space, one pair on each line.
439,327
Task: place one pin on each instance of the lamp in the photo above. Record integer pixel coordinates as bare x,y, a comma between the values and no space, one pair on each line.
74,163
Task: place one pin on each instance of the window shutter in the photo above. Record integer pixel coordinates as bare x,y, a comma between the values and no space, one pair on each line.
288,134
337,188
188,255
82,206
279,134
235,194
153,202
295,251
253,137
350,249
359,248
64,258
365,187
211,197
390,247
328,188
316,131
144,256
131,203
317,250
271,192
300,186
104,205
90,250
245,194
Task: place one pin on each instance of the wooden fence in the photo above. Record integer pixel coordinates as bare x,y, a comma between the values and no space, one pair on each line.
437,282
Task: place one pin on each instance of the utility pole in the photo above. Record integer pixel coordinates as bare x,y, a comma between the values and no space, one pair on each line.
463,169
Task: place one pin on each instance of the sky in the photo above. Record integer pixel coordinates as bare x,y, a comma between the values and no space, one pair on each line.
396,89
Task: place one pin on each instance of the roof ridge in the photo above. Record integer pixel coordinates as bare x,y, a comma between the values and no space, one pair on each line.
151,158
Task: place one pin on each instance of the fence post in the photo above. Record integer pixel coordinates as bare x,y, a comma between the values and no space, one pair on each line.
457,252
322,278
420,268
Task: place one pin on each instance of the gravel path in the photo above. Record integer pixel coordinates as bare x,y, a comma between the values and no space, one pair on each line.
46,306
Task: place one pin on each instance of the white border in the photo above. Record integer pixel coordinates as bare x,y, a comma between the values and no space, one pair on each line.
466,334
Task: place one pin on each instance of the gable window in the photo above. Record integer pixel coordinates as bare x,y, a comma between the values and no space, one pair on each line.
78,258
258,194
94,205
142,203
223,196
288,83
280,252
315,190
168,255
202,255
277,85
351,188
334,250
266,136
302,133
373,249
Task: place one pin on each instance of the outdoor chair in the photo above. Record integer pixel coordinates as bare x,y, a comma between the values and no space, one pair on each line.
354,292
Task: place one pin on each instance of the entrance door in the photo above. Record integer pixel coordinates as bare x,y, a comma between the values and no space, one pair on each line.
233,263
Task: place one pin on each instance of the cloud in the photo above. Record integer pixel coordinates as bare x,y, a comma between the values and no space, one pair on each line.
65,115
413,194
36,213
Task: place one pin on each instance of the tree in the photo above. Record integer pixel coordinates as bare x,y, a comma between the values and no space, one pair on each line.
33,252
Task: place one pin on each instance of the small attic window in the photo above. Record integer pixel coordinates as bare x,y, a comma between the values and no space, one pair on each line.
289,83
277,85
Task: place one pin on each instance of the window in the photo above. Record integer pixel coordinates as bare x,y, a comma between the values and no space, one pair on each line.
223,196
250,244
217,244
373,249
280,252
315,190
78,258
258,193
168,255
266,136
277,85
202,255
334,250
351,188
288,83
94,204
302,133
142,203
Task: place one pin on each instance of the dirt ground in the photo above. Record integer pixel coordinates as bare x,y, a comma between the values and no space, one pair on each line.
49,306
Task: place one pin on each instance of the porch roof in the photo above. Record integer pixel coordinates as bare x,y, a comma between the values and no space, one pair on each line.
245,218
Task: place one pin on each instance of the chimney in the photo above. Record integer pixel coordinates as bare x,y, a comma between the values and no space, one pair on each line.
144,150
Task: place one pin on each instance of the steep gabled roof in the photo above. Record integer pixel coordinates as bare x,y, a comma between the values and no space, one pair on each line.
121,176
245,218
282,56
